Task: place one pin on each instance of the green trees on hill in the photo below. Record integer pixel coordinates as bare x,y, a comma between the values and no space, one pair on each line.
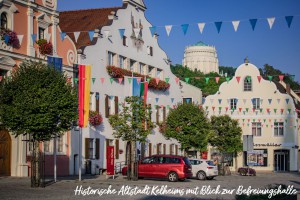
207,82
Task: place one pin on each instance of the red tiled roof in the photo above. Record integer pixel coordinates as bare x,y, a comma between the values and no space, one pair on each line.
83,21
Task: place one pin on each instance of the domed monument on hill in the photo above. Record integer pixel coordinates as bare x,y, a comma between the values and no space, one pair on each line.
202,57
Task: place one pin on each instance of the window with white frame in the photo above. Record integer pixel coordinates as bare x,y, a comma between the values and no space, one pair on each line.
111,105
233,103
278,129
41,33
247,83
60,144
256,129
121,61
132,65
256,103
47,146
3,20
111,58
151,71
92,101
187,100
159,74
141,68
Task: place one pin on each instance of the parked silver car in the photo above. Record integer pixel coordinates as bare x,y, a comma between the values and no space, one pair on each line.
204,169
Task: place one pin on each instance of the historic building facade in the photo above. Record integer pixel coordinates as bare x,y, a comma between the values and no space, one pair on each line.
262,112
28,22
201,57
113,40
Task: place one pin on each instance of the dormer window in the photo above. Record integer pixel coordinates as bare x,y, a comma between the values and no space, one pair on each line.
247,84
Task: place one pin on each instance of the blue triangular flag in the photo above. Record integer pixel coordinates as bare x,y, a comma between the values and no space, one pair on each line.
289,20
122,31
172,100
287,101
218,26
270,101
152,30
6,39
91,34
33,37
156,99
62,36
253,23
220,101
253,100
184,28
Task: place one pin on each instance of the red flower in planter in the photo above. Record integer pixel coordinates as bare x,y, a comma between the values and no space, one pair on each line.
13,38
95,118
45,47
117,72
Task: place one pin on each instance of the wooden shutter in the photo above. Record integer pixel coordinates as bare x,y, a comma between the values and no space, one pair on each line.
150,149
97,148
87,146
116,105
117,149
157,114
106,107
97,102
165,149
176,150
164,114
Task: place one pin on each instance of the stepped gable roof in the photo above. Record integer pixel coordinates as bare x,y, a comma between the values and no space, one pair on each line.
83,21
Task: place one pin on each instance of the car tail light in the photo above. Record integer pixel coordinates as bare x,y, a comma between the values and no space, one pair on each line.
187,168
210,167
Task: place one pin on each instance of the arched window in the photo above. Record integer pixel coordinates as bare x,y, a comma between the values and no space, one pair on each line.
3,20
247,83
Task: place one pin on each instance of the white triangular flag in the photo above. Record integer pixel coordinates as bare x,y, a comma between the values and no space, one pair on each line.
137,32
48,36
76,35
271,21
168,29
201,26
106,33
20,38
235,25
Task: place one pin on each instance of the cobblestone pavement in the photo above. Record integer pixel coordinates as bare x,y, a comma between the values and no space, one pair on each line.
64,188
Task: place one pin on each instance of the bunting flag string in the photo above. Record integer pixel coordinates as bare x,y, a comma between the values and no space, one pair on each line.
184,27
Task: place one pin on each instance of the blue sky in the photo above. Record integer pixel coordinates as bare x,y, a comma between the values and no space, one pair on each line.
279,47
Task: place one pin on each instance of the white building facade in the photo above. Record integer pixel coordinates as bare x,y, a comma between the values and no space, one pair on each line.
201,57
136,50
263,112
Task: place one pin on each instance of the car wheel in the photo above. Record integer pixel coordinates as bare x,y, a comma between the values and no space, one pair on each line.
172,177
210,178
201,175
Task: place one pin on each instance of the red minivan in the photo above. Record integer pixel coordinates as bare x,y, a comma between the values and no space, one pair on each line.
172,167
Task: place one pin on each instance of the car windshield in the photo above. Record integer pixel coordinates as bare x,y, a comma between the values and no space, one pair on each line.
211,163
186,161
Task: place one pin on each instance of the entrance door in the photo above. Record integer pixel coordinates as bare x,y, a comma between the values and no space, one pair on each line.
281,160
5,152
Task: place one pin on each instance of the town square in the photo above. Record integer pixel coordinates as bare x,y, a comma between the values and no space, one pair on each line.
142,99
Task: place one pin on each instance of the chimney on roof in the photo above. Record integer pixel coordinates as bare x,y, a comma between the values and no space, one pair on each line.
288,89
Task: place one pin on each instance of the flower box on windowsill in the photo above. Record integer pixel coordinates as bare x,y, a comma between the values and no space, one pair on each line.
44,47
9,39
95,118
117,72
